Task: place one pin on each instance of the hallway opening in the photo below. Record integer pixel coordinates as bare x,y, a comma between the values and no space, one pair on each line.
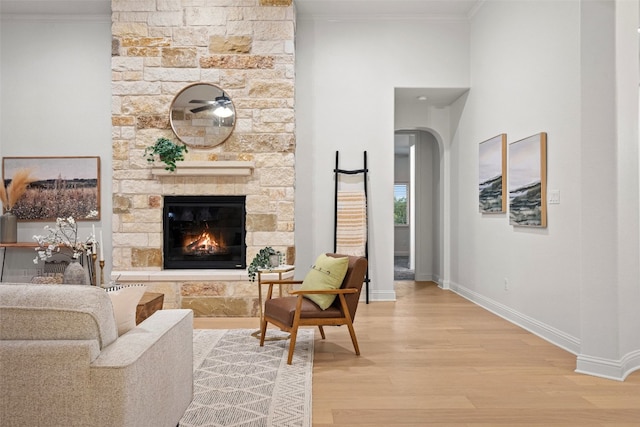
417,248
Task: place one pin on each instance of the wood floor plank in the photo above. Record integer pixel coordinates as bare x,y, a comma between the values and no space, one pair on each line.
432,358
503,417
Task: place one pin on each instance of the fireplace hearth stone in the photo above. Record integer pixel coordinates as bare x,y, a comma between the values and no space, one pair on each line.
209,293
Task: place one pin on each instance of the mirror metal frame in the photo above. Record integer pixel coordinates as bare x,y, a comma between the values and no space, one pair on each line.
209,95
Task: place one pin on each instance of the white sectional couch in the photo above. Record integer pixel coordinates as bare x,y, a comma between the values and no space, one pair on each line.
63,364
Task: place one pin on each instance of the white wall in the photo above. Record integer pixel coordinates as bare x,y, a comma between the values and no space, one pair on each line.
56,101
627,72
346,73
609,346
598,304
519,88
565,282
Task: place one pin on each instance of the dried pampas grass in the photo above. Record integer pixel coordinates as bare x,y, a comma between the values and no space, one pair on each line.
16,188
3,196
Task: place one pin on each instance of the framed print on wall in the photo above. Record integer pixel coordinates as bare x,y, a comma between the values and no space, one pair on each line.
528,181
492,173
63,187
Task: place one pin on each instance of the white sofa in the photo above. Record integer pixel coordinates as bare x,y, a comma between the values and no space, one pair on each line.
63,364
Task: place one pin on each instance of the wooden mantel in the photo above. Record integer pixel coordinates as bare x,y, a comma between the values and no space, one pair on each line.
213,168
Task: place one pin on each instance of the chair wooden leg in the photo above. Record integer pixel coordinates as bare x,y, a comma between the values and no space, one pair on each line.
321,331
294,329
292,343
349,323
354,340
263,331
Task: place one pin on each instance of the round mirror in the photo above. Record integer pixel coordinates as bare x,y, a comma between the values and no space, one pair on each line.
202,115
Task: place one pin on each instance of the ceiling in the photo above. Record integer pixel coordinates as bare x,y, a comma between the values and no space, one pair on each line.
306,9
330,9
56,7
316,9
436,97
385,9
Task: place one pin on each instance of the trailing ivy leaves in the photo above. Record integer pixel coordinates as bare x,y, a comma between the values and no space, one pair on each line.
261,260
167,151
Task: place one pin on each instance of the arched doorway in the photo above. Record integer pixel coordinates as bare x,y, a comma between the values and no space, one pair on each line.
418,158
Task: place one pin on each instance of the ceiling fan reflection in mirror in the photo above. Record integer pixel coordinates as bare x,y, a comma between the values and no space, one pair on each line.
202,115
221,106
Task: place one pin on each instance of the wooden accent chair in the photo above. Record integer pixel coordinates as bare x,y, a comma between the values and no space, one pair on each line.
289,313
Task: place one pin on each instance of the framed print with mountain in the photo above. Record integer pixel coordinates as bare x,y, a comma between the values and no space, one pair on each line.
492,173
528,181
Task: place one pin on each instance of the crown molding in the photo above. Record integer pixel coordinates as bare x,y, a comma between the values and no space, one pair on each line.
383,17
34,17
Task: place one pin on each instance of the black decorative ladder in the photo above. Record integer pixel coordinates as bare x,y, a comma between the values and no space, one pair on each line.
364,172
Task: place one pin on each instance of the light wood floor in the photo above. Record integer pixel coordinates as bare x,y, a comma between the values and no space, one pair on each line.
433,358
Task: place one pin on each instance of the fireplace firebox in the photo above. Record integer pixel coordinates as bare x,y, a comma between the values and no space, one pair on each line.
204,232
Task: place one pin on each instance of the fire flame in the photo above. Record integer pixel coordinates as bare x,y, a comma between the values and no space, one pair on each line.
204,243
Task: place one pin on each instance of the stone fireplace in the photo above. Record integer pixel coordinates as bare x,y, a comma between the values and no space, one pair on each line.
245,47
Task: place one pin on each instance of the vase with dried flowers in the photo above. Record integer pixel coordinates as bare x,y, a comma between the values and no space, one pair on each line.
63,239
9,196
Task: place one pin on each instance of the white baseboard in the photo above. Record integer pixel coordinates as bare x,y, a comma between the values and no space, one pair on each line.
425,278
544,331
378,296
605,368
444,284
608,368
589,365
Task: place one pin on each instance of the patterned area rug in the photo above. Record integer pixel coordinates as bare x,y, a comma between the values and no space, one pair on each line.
239,383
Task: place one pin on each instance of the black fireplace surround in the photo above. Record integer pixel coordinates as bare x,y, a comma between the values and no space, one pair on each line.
204,232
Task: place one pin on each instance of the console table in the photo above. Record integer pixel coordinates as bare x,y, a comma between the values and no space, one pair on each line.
7,246
32,245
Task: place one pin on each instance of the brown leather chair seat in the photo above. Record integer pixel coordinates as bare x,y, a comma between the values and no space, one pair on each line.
284,309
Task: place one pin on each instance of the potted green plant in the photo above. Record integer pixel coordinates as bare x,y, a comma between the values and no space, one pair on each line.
167,151
265,258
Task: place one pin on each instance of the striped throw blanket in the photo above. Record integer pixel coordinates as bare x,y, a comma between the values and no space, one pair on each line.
351,229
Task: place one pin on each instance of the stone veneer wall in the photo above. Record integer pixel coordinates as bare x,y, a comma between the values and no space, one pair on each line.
247,48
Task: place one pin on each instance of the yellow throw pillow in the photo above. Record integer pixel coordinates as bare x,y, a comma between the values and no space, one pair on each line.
125,300
326,273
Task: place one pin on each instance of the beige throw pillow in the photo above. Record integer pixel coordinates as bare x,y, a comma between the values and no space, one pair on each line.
326,273
125,299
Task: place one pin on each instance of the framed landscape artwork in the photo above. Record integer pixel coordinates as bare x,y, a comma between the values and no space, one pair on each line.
528,181
63,187
492,188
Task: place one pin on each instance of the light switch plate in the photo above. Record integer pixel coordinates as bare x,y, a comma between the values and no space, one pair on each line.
554,197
